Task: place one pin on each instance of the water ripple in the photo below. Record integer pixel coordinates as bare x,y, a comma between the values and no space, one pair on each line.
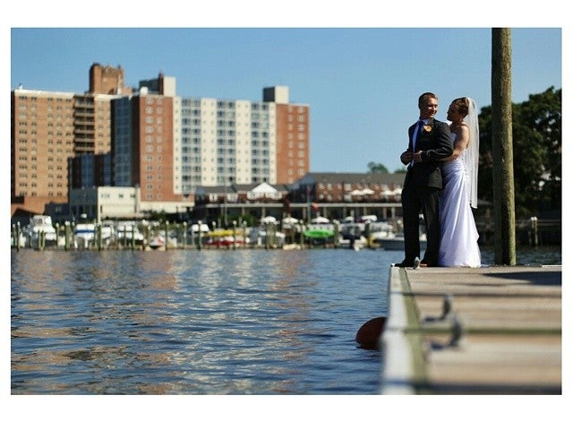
195,322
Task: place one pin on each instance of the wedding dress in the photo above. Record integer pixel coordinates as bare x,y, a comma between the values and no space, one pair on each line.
459,241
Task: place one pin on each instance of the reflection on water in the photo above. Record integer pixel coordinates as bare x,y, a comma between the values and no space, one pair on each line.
525,255
195,322
201,322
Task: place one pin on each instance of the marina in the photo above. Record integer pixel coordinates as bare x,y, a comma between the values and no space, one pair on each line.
289,233
367,231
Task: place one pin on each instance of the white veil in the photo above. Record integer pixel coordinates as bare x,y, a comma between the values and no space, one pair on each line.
472,154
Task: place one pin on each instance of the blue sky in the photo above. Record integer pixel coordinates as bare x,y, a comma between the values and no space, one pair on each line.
362,84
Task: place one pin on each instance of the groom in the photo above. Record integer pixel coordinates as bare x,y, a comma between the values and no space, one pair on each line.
429,142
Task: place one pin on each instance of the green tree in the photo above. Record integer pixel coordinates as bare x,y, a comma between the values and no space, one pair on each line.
377,168
536,153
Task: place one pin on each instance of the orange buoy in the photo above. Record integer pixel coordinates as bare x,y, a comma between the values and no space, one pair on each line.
369,334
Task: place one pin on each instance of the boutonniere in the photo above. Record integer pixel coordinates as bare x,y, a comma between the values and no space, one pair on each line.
427,128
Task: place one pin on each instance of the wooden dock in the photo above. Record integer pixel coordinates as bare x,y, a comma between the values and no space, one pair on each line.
491,330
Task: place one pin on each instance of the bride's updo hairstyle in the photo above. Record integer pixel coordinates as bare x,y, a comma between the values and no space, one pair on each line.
461,105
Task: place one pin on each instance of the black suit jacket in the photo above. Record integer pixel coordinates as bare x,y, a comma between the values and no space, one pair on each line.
435,143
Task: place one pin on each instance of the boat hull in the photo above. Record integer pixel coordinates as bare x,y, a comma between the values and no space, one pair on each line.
397,244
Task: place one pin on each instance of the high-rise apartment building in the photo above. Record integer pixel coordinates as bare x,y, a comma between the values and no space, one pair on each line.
166,145
108,80
142,150
293,149
42,140
237,141
49,128
169,146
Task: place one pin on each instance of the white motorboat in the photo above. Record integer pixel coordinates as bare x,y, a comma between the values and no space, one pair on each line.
107,233
397,242
381,231
41,225
259,237
157,242
84,233
352,243
196,227
289,223
127,233
163,240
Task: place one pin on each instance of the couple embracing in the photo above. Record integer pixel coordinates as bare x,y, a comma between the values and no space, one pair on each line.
441,183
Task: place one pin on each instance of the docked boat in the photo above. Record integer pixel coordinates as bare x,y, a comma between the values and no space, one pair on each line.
380,232
396,242
261,237
41,227
107,232
289,223
163,240
355,243
127,233
225,237
84,233
319,234
320,220
365,233
195,228
158,242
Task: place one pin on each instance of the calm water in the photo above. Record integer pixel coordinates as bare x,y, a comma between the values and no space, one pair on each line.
199,322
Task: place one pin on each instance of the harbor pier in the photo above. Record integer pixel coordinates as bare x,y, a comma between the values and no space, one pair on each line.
489,330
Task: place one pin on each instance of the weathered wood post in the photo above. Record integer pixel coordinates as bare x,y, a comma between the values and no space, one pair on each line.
336,234
184,235
534,232
502,148
199,235
132,231
99,238
17,236
234,234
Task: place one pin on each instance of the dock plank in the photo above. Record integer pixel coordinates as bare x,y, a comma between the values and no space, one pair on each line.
510,324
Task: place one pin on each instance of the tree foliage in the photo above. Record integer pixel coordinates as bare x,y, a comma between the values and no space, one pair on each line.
377,168
536,154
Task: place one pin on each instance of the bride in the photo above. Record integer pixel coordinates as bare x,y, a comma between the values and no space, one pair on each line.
459,235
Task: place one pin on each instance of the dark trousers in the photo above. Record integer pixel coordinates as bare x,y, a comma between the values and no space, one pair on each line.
425,200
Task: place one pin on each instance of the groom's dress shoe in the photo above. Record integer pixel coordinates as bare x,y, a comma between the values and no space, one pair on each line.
404,264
